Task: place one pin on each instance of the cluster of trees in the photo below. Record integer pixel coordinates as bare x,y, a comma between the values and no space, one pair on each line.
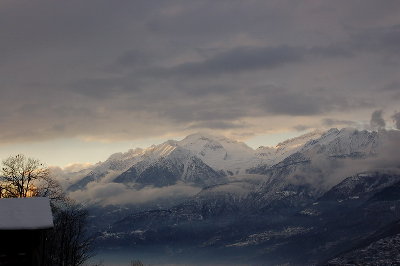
68,243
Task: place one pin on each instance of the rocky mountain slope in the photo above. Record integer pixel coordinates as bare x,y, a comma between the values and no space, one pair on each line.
180,160
313,197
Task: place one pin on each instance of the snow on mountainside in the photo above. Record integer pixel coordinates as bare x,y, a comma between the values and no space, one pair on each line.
113,166
204,156
176,165
334,143
316,166
347,142
186,160
220,152
273,155
236,157
306,200
197,159
290,146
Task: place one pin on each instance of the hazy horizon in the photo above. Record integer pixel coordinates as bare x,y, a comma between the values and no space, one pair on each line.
58,154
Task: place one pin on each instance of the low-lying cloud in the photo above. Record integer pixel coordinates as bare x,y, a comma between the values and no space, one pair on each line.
338,122
396,119
324,172
116,193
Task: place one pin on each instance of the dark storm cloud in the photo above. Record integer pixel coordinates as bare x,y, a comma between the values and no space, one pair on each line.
379,39
96,87
105,87
289,101
396,119
238,102
137,68
377,121
132,59
299,103
393,86
241,59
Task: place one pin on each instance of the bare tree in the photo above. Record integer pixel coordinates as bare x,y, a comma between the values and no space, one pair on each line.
67,243
20,176
70,244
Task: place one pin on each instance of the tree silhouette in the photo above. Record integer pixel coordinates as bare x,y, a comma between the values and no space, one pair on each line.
20,176
70,244
67,243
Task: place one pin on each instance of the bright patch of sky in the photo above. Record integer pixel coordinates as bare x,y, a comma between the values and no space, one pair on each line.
271,139
63,152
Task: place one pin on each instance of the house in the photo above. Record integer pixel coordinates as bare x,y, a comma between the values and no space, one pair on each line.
23,226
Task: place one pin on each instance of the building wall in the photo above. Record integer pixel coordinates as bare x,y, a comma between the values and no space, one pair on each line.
22,247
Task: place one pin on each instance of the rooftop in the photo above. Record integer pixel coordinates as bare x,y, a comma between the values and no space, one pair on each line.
25,214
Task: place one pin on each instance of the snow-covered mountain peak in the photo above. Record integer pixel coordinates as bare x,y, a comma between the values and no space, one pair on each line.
343,143
300,140
197,142
219,152
293,145
125,155
161,150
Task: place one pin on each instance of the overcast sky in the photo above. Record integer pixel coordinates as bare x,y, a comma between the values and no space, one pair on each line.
94,76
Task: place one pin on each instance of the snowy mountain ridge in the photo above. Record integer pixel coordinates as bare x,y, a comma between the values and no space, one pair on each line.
219,152
227,157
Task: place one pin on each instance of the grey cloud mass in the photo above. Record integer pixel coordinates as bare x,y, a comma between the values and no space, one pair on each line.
100,193
244,59
377,121
335,122
396,119
132,69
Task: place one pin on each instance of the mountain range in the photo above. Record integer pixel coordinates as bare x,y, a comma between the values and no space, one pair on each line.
199,158
209,199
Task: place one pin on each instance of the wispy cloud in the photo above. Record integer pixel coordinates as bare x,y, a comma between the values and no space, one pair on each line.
377,121
116,193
